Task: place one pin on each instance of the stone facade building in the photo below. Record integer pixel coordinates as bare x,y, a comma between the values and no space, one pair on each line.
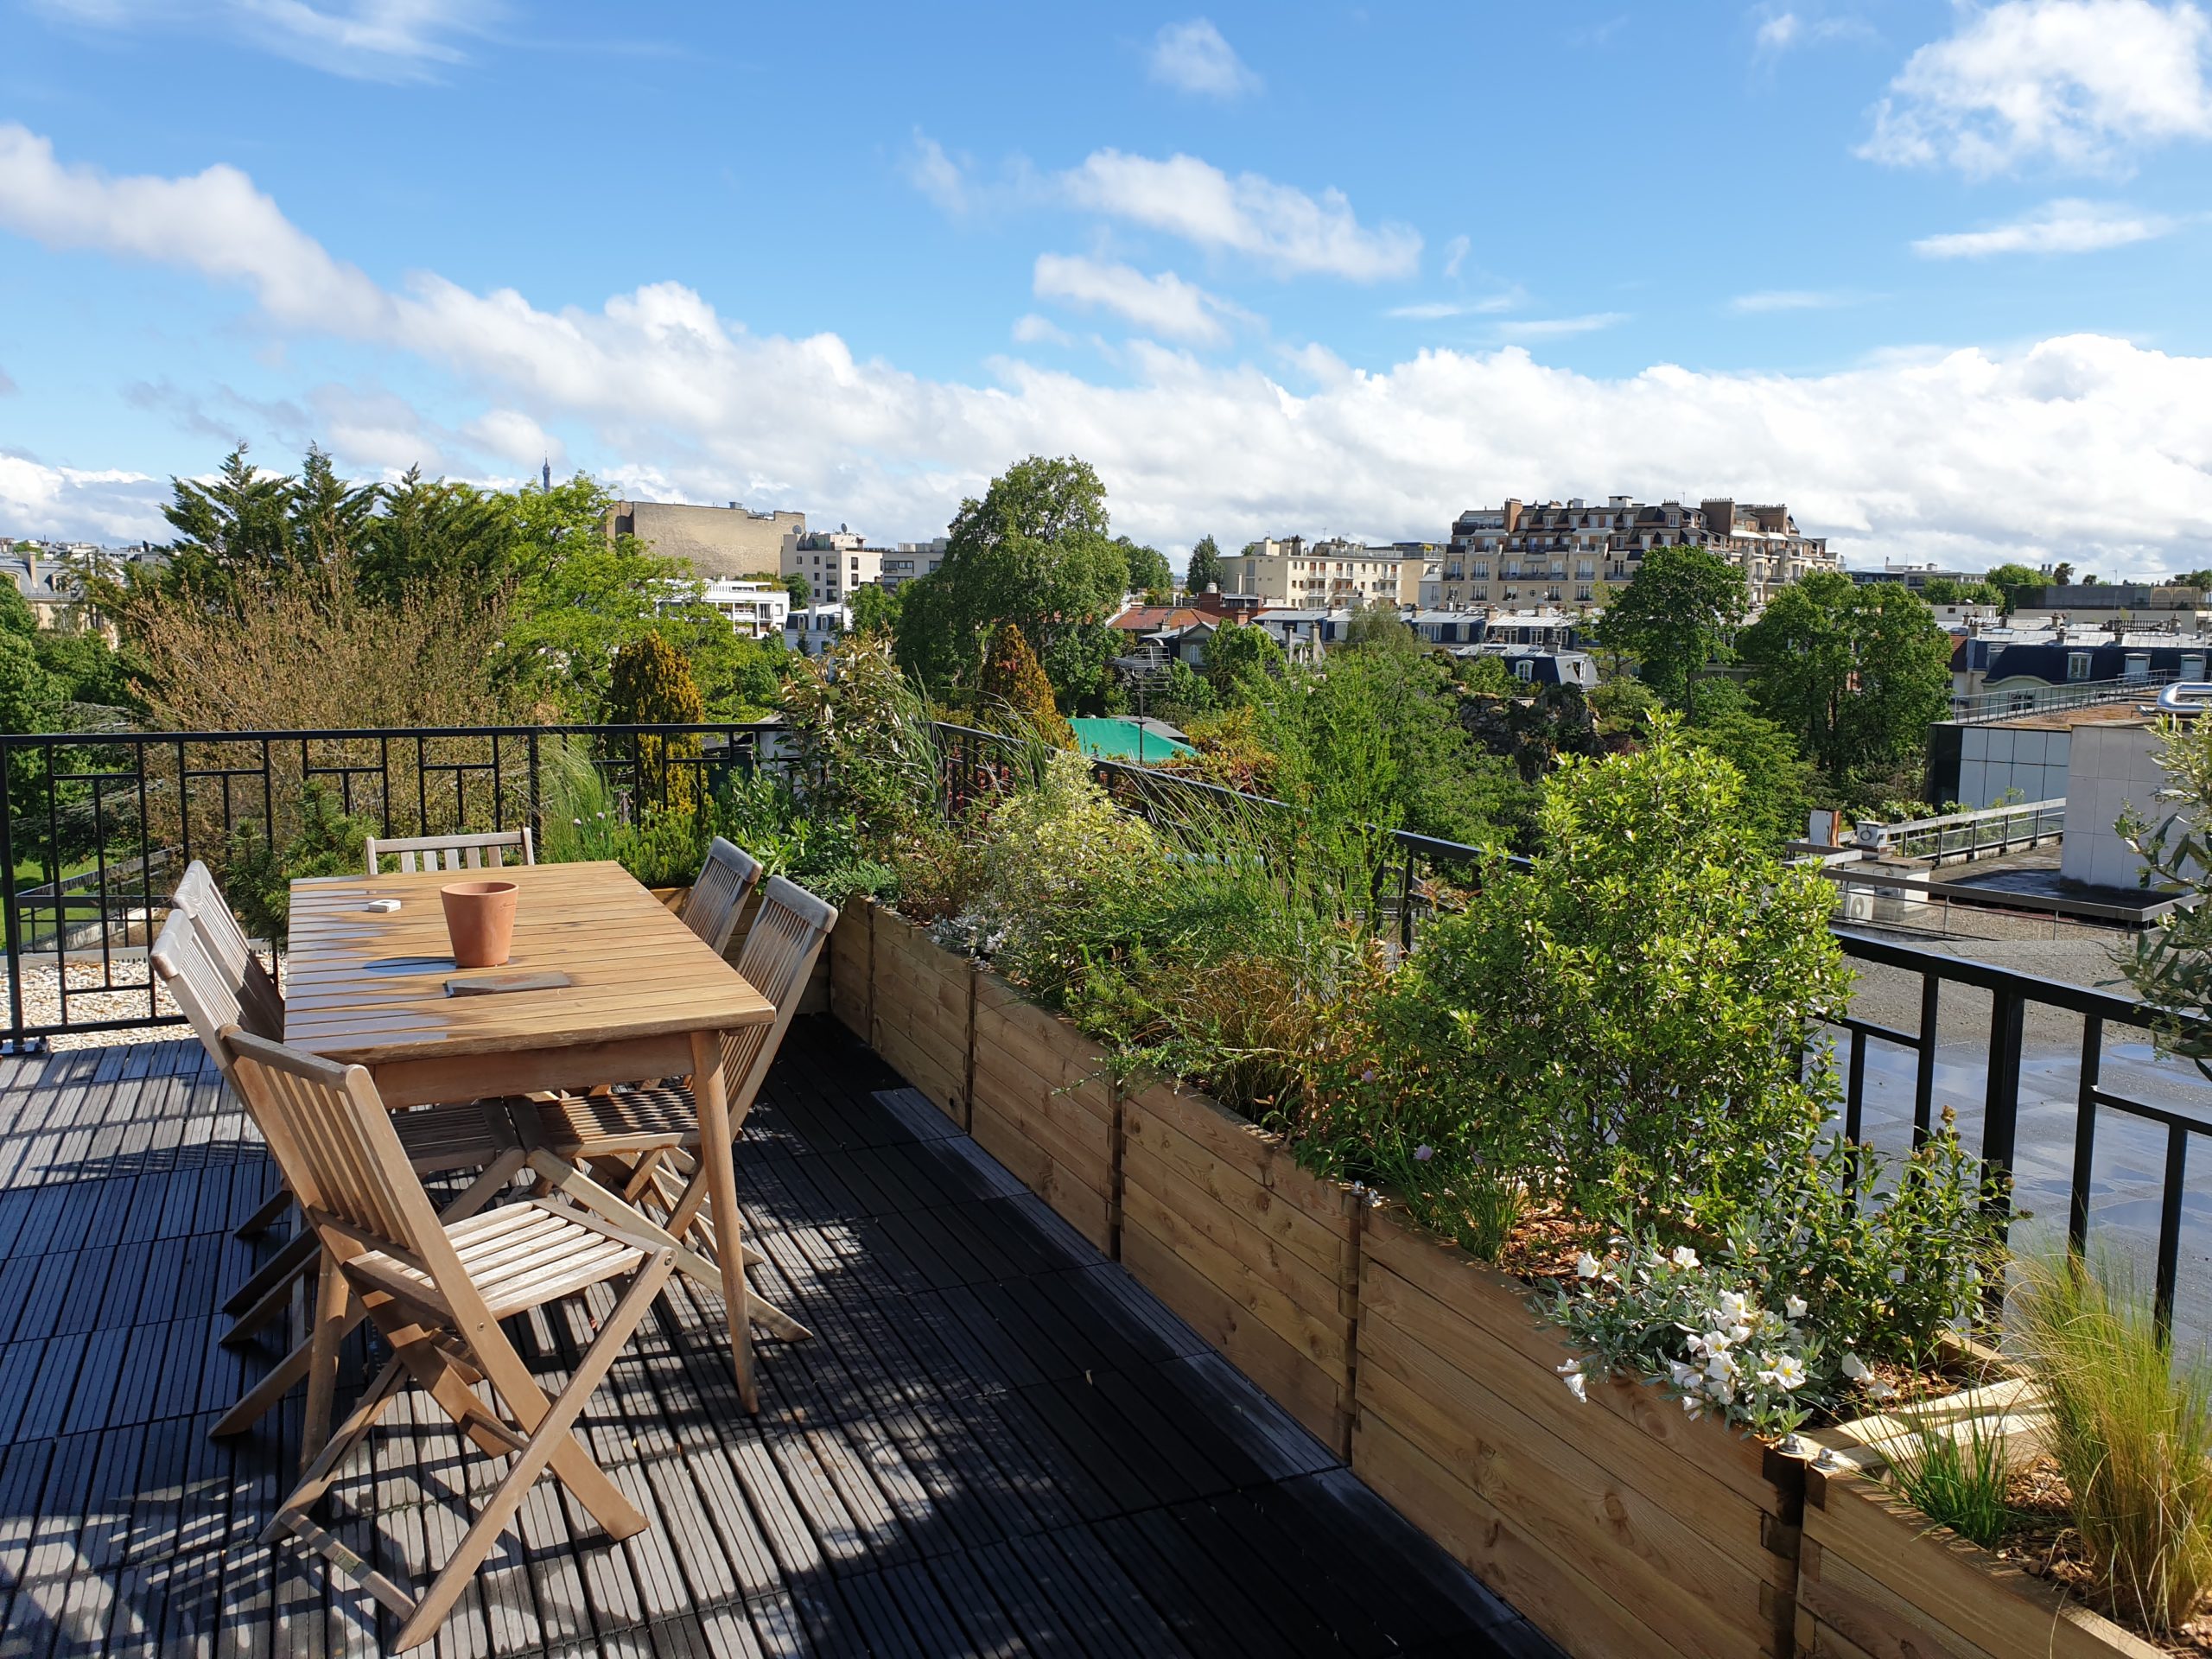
721,542
1570,554
1323,576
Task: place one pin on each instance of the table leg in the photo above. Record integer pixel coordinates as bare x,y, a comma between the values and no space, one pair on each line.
718,1156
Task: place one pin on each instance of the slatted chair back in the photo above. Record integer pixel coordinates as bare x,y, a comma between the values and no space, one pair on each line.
726,880
342,1159
777,959
434,853
207,995
198,896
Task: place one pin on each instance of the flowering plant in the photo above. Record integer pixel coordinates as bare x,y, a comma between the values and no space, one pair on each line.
1702,1330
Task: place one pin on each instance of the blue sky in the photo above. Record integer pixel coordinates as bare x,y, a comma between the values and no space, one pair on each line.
1932,273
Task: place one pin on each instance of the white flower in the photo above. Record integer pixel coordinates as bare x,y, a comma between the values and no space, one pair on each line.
1740,1333
1795,1307
1684,1256
1585,1266
1731,1309
1683,1376
1722,1366
1880,1391
1724,1393
1855,1368
1787,1372
1713,1342
1577,1384
1692,1406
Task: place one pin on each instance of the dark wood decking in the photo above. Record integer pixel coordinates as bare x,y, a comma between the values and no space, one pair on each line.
996,1442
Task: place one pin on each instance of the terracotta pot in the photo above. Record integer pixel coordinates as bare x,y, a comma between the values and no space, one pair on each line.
481,921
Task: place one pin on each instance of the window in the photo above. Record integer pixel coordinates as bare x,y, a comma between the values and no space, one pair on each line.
2077,664
1583,592
1480,596
1525,670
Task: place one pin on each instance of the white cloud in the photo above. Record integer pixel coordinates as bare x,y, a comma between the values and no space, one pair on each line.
73,504
1164,305
1982,455
8,387
938,176
2064,227
1559,327
1276,224
363,40
1436,310
1791,299
511,437
1783,31
1033,330
1455,254
2079,84
1192,57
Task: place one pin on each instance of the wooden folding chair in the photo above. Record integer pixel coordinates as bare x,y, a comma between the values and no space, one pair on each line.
416,852
437,1291
725,881
642,1131
437,1140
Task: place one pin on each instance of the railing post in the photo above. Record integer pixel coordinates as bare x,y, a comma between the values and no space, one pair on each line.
1924,1068
2085,1134
2169,1271
536,801
2000,1123
8,919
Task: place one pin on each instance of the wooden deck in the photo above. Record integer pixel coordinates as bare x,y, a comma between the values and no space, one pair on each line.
996,1442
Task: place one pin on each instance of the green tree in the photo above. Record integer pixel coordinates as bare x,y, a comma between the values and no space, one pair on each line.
2171,966
1380,626
432,532
1855,674
799,588
2192,578
2011,580
1946,590
2061,574
1013,682
237,530
1148,571
875,609
1205,569
650,685
1486,676
30,697
1034,552
1777,780
1676,616
1239,656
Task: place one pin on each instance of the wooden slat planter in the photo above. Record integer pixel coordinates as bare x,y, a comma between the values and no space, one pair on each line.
851,966
920,1011
1042,1103
1877,1577
1618,1525
1261,1257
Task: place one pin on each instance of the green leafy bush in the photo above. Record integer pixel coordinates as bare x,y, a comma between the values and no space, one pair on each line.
257,876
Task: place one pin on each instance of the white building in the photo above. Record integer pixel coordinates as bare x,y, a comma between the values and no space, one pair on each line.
815,629
1326,573
758,610
836,561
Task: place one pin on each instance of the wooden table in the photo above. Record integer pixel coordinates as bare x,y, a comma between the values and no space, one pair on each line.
648,999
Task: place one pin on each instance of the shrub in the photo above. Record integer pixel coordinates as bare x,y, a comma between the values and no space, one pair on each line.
258,875
1013,684
1957,1478
2132,1433
1622,1022
2172,965
651,685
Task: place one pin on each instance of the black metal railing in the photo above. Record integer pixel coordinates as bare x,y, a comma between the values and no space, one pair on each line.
1407,888
98,826
102,826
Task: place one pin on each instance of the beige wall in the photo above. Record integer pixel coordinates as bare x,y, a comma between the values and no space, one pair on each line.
719,541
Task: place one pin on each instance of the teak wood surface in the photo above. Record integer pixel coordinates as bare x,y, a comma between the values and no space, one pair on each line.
647,999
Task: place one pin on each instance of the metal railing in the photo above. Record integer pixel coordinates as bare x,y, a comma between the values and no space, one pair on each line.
1990,830
98,826
2041,699
150,803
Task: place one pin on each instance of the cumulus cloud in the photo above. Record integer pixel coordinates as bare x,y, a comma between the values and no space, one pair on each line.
2078,85
2065,227
1164,305
2085,443
76,505
363,40
1278,224
1193,57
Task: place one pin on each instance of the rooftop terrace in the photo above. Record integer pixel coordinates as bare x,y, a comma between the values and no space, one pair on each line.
995,1443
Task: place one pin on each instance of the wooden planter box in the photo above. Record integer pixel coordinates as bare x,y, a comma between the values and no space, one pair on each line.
1618,1526
1258,1255
1878,1577
1043,1103
921,1007
851,966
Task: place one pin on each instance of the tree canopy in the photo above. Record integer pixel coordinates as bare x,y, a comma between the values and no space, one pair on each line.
1854,673
1676,616
1205,569
1035,551
1148,571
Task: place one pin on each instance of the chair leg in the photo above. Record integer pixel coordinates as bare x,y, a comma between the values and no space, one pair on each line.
265,1217
257,1401
322,1468
549,1436
333,1303
250,1306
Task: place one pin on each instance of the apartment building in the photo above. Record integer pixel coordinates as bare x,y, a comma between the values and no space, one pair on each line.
836,561
1572,553
758,610
1326,574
